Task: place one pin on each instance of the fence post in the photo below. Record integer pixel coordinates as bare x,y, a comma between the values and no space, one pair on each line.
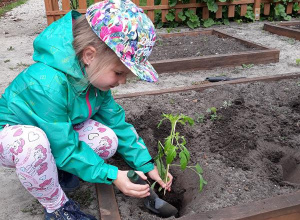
49,7
257,9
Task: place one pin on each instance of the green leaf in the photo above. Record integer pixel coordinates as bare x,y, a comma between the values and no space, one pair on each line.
226,21
168,143
188,119
181,16
160,167
153,185
159,25
183,160
187,153
201,183
212,6
296,7
171,155
222,0
198,168
213,110
189,13
170,17
172,3
287,18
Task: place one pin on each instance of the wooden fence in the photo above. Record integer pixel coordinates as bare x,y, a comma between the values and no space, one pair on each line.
54,11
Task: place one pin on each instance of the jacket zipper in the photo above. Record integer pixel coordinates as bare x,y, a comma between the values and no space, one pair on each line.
88,103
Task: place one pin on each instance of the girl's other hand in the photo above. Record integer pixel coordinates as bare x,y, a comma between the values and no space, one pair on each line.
153,174
129,188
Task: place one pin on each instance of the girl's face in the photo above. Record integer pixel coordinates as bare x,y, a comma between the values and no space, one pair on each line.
110,77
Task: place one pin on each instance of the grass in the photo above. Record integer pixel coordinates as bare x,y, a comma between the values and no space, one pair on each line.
9,7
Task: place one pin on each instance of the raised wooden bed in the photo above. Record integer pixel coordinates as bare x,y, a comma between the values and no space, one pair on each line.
262,55
284,29
284,207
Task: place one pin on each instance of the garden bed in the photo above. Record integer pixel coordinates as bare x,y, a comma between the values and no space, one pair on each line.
288,29
208,49
250,153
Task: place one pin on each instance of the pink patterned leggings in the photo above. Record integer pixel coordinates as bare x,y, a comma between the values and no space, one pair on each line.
27,149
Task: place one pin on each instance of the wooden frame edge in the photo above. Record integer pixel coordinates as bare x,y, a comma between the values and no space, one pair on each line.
210,85
108,206
284,207
282,30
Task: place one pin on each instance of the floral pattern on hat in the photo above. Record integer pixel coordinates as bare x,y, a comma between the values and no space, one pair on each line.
128,32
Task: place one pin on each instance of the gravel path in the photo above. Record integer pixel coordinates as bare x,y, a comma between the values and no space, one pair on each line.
18,29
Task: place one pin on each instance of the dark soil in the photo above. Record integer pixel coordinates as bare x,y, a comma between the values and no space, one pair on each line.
249,153
195,46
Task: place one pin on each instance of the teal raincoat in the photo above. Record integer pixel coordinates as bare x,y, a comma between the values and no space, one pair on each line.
53,94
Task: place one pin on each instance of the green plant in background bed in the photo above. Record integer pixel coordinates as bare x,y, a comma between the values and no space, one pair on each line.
173,146
213,113
10,6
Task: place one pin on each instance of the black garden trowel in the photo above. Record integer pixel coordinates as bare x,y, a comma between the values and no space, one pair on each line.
153,202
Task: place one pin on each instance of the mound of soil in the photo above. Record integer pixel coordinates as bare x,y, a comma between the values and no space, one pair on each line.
195,46
250,152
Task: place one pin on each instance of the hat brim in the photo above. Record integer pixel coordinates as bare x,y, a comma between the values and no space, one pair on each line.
145,71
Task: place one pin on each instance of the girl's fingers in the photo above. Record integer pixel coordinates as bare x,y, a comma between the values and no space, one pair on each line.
141,174
162,183
138,191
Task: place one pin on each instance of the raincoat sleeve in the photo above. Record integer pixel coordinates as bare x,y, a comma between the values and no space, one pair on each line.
131,147
42,107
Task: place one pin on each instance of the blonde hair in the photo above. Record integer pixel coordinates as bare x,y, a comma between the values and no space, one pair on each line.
84,37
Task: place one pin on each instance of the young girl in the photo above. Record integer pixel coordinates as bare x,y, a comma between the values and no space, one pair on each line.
59,112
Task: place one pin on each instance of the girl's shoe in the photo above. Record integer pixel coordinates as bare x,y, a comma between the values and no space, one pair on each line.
70,211
68,181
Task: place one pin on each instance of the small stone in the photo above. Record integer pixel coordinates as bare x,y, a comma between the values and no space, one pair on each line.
5,32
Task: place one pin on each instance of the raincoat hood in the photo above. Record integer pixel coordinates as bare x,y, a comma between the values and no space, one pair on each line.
54,48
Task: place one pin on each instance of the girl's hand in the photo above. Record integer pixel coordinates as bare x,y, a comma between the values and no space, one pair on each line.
153,174
129,188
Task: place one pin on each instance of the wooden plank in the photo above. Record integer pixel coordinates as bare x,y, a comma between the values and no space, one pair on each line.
190,33
243,10
289,8
267,9
193,8
164,12
208,85
245,42
285,207
150,13
107,202
55,8
257,9
213,61
177,11
82,4
219,12
205,13
283,31
263,55
66,5
49,8
289,23
231,9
